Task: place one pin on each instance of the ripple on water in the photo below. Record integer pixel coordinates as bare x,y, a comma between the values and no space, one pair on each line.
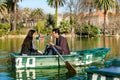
77,78
6,78
1,66
3,56
4,66
3,52
42,79
4,74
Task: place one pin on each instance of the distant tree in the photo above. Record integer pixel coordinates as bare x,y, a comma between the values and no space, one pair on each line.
105,5
26,15
70,4
12,7
37,14
2,6
56,4
50,21
117,6
40,26
65,26
15,14
88,5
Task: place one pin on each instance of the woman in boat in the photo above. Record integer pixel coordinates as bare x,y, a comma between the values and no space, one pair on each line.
61,43
28,45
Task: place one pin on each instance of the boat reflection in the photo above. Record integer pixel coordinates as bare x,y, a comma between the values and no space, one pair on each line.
36,74
46,74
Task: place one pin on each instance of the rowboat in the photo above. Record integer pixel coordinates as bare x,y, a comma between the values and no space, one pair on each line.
76,58
110,71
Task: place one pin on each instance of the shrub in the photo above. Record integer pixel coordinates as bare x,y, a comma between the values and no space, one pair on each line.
4,28
65,26
87,30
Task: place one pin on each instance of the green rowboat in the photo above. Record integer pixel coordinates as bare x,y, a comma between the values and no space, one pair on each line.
110,71
76,58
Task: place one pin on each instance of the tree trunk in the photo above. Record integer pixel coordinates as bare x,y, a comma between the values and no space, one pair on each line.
90,11
56,14
104,26
14,21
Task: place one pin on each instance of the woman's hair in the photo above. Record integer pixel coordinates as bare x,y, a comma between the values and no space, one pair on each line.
56,30
29,36
30,33
28,40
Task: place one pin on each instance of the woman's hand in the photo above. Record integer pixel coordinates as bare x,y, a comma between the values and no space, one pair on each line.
40,52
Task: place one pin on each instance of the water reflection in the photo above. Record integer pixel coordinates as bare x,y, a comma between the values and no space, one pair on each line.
14,45
45,74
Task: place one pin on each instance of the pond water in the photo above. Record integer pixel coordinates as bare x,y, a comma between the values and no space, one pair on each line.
9,45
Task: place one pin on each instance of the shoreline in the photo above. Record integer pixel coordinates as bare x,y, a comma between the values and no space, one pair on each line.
12,36
65,35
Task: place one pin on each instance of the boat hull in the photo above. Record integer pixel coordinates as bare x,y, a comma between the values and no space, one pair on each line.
49,61
76,58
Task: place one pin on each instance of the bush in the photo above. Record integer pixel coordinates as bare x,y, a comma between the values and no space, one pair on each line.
40,26
87,30
64,27
4,28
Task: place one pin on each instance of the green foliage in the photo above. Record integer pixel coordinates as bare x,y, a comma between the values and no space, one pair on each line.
105,4
4,28
2,6
37,14
50,21
87,30
94,30
65,26
47,30
40,26
56,4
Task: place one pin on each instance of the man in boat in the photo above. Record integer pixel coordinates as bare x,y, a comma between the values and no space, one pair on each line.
28,47
61,44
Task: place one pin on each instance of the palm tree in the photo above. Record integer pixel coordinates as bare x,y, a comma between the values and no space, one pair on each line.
26,15
105,5
10,9
117,6
37,14
50,20
15,15
56,4
11,6
2,7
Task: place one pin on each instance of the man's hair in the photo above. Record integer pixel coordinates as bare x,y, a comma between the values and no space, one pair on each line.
56,30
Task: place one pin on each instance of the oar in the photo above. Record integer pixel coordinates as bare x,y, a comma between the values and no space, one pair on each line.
68,65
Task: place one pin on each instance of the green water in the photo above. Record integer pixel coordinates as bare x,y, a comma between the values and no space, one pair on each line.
9,45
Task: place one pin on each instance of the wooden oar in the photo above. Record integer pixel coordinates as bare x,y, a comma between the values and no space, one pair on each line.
68,65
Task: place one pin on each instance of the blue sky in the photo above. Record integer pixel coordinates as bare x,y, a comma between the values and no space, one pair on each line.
39,4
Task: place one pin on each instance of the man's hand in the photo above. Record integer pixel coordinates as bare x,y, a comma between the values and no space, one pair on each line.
51,43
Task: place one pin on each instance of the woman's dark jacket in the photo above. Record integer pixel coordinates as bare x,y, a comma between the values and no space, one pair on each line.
27,47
